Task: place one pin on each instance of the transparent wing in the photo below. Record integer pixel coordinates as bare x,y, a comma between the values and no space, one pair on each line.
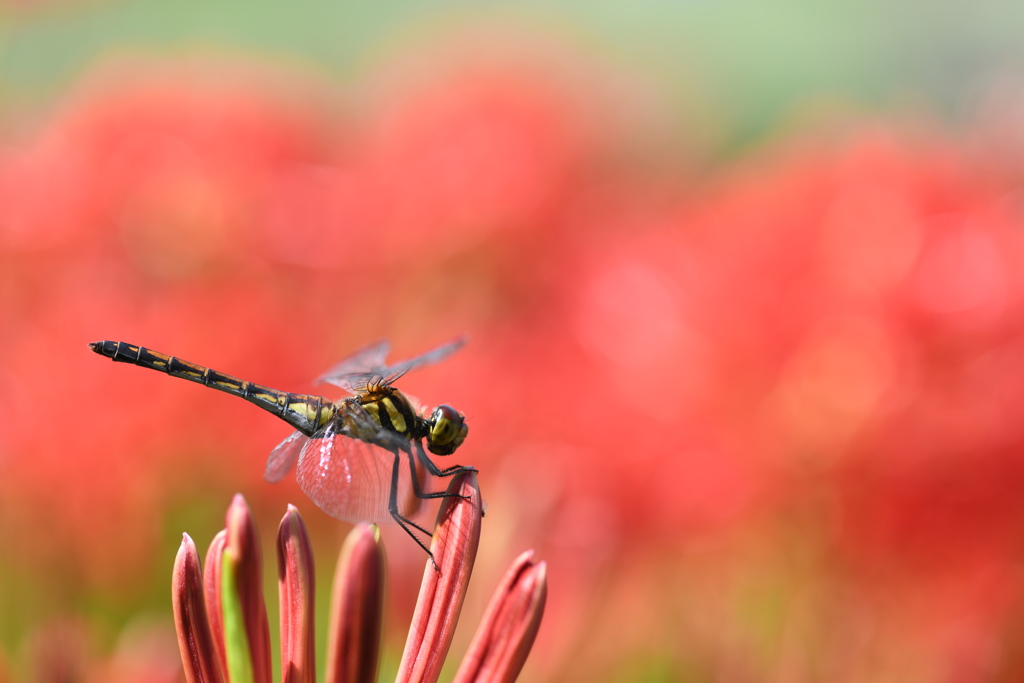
393,372
356,379
284,457
350,478
366,360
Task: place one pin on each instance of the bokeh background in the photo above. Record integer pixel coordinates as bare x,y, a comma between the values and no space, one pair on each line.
744,284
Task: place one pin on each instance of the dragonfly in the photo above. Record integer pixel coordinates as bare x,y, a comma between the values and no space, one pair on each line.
348,455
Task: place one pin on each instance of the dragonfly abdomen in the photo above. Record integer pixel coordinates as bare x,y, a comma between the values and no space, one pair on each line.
305,412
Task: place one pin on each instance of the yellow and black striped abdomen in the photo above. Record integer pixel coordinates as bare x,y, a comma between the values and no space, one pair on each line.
305,412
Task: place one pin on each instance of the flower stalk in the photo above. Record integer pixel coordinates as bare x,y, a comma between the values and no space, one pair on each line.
296,592
195,638
357,608
454,546
510,624
211,589
246,630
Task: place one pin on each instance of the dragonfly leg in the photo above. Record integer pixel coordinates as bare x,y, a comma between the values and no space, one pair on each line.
416,487
455,469
402,521
433,469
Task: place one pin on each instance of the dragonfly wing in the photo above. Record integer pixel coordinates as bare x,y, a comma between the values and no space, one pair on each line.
393,372
350,479
284,457
367,367
362,362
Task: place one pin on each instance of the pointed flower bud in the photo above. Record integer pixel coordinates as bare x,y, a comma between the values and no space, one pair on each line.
195,639
212,588
246,631
456,539
509,626
357,604
296,592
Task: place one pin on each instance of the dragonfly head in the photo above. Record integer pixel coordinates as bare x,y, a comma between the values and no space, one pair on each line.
448,430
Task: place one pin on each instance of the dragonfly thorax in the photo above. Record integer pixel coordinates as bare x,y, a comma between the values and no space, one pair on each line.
390,408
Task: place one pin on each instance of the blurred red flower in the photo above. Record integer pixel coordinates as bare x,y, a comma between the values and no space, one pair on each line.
770,414
818,347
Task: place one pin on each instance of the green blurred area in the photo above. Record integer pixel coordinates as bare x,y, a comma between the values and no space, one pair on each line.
748,61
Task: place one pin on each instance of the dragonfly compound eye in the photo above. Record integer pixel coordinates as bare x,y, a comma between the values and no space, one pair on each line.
448,430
